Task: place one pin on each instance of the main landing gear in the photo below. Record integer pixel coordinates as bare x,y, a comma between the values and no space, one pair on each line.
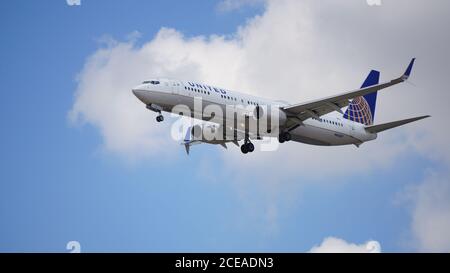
247,147
285,136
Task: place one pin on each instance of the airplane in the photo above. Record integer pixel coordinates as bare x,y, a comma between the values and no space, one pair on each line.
318,122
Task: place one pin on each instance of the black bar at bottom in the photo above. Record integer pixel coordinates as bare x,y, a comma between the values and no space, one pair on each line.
217,262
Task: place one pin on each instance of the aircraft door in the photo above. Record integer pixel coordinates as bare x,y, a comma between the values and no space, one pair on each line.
175,87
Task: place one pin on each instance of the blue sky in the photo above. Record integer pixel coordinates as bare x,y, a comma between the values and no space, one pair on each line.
59,183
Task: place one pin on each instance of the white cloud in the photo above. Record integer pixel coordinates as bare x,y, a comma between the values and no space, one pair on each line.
230,5
336,245
104,99
431,213
73,2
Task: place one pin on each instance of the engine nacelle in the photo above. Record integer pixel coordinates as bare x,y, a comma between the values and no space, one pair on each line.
204,132
269,117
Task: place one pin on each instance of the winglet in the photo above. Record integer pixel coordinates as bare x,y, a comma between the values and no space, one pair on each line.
408,70
188,136
187,140
186,146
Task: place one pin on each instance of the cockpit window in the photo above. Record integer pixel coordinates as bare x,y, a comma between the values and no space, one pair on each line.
151,82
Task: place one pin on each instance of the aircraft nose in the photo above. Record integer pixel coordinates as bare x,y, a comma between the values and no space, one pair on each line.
138,93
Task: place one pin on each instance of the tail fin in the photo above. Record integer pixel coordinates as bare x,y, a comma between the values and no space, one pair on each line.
362,109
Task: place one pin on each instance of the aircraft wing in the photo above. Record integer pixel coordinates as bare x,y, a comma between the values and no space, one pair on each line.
191,140
317,108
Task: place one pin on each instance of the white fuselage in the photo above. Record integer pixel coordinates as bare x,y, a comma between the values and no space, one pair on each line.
329,130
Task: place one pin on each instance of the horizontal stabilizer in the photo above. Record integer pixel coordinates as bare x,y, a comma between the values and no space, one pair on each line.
386,126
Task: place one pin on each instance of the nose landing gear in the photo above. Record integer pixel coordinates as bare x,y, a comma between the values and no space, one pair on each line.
158,109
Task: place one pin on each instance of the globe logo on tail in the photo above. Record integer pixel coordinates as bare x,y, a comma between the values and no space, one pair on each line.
359,111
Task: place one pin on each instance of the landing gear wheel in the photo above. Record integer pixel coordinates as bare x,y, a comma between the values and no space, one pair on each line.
244,149
247,147
287,136
159,118
250,147
283,137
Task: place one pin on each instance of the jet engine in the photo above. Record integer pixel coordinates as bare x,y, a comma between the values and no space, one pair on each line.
205,132
269,118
